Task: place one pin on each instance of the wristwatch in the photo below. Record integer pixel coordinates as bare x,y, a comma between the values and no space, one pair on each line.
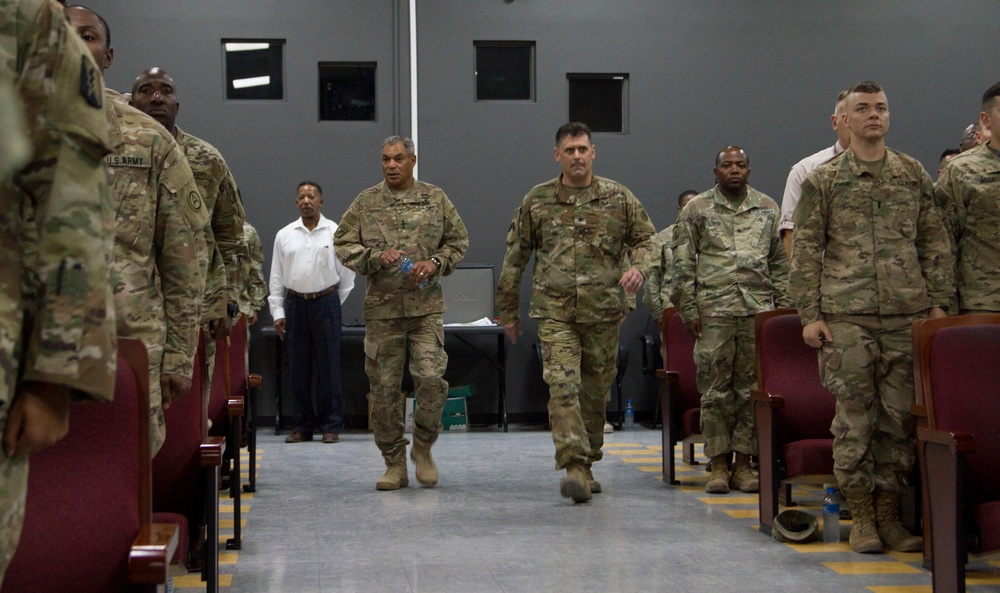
436,261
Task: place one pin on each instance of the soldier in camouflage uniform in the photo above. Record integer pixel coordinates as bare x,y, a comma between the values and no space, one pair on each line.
57,339
403,217
154,93
581,228
254,290
729,265
156,277
656,289
871,256
968,191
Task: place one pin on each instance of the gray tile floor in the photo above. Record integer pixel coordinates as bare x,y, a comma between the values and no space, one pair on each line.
496,524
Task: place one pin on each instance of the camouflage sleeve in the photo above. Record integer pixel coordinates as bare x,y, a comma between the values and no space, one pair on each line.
777,259
227,224
947,194
807,256
176,245
520,244
454,239
71,332
685,265
934,248
253,270
640,237
651,288
216,290
351,250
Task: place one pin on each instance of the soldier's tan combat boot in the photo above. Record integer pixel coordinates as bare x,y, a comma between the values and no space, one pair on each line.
595,486
427,472
575,485
864,533
718,480
394,478
890,529
743,478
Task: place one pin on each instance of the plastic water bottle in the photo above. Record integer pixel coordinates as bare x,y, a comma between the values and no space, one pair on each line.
405,265
831,516
629,421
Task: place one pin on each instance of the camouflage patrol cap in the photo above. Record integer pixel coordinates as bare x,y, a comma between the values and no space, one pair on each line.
796,527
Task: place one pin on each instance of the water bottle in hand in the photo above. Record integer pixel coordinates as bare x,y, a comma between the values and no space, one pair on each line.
831,516
405,265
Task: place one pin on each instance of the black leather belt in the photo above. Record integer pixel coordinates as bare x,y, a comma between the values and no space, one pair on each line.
313,295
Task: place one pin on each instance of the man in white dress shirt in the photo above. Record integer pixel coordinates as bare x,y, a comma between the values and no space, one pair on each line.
308,285
793,187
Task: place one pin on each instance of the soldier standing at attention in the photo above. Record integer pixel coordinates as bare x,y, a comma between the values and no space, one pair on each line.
156,275
307,288
656,289
403,217
968,190
254,290
729,265
581,228
57,319
155,94
871,256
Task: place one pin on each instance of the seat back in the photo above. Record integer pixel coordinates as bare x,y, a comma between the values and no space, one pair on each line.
680,358
237,354
177,486
88,495
960,387
789,367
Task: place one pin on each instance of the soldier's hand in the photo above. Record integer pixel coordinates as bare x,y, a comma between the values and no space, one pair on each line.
513,330
39,417
220,328
422,270
693,328
279,326
252,319
816,334
936,312
631,280
390,257
172,387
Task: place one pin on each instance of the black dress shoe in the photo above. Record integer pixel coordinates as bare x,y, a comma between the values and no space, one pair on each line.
298,437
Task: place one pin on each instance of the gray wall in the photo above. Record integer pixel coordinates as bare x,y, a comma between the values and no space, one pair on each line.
703,74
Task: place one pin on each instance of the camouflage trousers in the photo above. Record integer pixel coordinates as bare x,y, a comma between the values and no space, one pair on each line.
869,368
386,342
13,487
578,364
727,369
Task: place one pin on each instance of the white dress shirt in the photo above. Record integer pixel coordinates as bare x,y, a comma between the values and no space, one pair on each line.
798,174
304,261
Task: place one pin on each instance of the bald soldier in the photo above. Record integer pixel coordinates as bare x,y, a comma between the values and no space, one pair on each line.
156,277
57,334
155,94
729,265
582,229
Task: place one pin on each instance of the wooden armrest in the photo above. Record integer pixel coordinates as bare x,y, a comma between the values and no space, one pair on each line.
152,550
958,442
211,451
254,381
918,410
669,376
235,405
773,400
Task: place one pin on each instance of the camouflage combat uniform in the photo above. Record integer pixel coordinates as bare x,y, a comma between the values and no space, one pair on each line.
422,223
656,289
156,275
254,291
729,265
581,239
969,193
57,321
223,233
871,256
